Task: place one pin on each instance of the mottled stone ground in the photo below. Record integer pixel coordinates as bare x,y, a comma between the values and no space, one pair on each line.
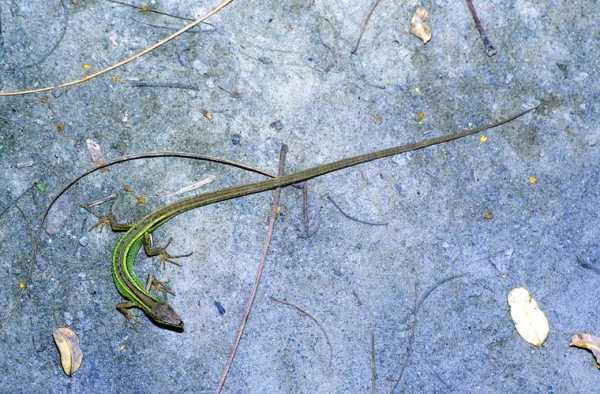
430,285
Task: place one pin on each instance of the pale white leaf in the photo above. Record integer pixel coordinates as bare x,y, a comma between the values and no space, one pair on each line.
530,322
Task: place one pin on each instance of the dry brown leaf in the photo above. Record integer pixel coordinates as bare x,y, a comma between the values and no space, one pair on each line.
589,342
530,321
117,79
420,25
140,200
207,114
145,8
96,154
377,118
67,343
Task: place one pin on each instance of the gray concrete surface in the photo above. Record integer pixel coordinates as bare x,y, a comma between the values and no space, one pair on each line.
282,72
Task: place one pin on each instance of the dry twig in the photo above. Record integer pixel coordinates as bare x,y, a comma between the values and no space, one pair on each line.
354,219
26,277
305,208
166,85
259,272
127,60
145,8
364,26
152,155
373,365
489,48
413,316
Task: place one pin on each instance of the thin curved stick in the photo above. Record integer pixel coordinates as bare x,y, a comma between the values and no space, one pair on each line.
165,40
489,47
46,55
373,365
364,25
10,310
413,314
152,155
143,9
259,273
311,317
33,240
354,219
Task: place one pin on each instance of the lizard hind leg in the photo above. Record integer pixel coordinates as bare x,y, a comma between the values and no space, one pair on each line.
153,283
164,256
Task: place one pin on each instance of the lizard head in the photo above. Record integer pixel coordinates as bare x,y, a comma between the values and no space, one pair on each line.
165,315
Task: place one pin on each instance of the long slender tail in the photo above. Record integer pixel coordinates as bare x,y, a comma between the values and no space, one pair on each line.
301,176
352,161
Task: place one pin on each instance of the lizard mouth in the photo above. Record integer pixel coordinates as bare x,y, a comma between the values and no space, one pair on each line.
175,323
165,315
172,324
178,324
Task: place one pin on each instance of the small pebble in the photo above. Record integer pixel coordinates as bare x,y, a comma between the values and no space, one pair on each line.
277,125
220,308
23,164
208,115
84,241
68,318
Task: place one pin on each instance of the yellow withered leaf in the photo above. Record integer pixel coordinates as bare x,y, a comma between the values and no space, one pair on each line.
420,25
589,342
530,321
207,114
96,154
67,343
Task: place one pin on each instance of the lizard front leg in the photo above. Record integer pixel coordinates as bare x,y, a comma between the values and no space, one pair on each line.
111,222
124,308
108,220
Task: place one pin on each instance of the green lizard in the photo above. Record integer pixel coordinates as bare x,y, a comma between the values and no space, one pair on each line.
139,233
